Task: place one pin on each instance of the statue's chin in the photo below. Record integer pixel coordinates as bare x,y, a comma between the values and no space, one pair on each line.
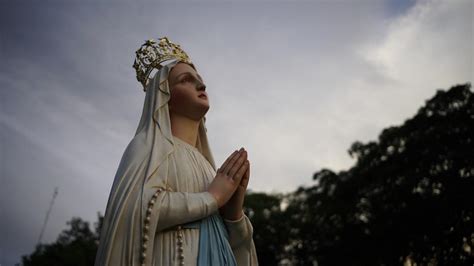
196,112
199,113
202,114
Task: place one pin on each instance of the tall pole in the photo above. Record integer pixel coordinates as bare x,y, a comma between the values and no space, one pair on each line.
47,214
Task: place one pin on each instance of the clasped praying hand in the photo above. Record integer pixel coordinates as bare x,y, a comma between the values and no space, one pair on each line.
230,184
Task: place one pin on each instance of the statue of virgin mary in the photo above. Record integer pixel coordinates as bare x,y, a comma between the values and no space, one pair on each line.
159,211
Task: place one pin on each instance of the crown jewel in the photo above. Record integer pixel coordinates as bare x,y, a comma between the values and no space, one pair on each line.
151,54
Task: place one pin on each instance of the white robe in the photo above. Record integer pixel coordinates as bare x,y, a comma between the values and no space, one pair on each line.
160,168
191,200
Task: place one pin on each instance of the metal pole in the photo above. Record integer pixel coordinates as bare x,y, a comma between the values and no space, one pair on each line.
47,214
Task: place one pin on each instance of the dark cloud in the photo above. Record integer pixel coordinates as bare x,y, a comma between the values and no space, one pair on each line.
292,76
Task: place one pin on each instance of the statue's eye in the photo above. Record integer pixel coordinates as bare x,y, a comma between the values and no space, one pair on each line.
186,79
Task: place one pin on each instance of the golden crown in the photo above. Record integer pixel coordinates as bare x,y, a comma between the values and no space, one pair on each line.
151,54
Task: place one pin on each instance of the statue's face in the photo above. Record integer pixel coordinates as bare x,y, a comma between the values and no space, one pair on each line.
188,96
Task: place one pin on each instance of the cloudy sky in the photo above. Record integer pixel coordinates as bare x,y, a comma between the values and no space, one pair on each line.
296,83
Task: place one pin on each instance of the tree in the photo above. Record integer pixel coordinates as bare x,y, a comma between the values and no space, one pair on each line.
407,199
75,246
270,230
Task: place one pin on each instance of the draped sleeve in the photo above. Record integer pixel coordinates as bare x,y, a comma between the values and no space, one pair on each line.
241,240
183,207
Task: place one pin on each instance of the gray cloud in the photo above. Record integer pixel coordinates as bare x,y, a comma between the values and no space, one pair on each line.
295,84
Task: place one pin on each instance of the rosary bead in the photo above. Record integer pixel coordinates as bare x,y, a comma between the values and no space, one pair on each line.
146,226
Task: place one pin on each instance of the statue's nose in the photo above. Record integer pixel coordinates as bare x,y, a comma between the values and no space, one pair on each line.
201,87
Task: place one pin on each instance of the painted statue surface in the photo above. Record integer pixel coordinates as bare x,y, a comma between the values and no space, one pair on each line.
168,204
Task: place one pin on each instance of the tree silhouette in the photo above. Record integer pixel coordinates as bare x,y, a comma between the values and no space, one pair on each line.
269,226
75,246
408,199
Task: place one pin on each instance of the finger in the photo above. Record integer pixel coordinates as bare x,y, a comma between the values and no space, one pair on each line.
228,159
245,179
238,163
223,166
244,175
232,161
241,172
247,173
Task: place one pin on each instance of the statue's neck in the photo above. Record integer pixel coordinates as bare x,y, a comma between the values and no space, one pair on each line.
184,128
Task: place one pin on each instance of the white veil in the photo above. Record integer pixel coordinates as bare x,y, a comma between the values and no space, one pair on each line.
142,170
